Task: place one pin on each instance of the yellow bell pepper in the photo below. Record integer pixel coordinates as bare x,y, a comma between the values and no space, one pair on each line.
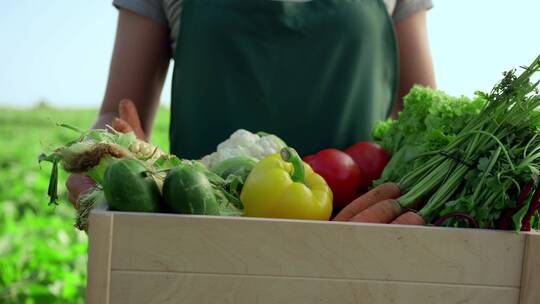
283,186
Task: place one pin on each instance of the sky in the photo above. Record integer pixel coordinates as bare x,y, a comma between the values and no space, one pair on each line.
59,50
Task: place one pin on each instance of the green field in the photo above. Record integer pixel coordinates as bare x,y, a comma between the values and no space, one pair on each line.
42,256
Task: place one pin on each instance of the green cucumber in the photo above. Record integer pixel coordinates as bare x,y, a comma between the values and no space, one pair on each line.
187,190
128,187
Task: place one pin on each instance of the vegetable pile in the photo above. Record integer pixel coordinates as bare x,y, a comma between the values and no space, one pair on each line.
132,175
469,163
457,162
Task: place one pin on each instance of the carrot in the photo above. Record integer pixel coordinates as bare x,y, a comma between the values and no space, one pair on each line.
381,212
410,218
377,194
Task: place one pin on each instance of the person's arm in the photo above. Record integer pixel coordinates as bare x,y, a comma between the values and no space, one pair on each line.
138,68
416,66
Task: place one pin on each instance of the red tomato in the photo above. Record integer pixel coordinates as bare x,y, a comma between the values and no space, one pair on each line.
340,172
371,158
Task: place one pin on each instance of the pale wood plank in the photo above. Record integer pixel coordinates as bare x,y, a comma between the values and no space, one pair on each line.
99,257
530,280
228,245
162,288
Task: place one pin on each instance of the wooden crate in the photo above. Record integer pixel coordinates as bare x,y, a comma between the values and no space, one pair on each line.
160,258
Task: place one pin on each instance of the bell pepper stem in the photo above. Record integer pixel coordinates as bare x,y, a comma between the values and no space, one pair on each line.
290,155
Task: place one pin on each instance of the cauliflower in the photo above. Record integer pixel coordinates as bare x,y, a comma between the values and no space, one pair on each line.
244,143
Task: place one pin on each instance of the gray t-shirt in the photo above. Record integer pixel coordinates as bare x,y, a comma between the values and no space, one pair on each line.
167,12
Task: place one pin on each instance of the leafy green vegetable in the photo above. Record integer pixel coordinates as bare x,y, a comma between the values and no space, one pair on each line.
472,157
235,172
429,121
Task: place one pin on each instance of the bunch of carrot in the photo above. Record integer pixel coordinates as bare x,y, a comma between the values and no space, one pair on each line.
379,205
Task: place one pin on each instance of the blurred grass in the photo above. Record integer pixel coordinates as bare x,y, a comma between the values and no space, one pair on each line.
42,256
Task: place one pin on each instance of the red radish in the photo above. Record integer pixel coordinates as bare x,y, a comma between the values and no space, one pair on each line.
457,214
505,221
533,207
340,172
371,158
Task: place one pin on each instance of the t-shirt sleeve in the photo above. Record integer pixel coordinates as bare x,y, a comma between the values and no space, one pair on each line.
407,8
152,9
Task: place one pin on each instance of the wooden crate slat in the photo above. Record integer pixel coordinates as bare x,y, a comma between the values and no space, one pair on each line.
316,249
163,288
530,281
99,257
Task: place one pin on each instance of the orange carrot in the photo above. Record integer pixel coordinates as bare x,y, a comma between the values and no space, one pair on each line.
381,212
409,218
377,194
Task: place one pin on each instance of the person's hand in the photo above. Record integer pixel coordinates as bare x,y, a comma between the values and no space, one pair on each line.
127,122
77,184
379,205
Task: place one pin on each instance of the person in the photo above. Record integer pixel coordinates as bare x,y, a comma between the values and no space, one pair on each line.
318,73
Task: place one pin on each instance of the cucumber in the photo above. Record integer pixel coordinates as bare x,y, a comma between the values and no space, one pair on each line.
128,188
187,190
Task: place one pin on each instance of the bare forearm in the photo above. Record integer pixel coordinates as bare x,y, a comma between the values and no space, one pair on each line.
416,65
138,68
103,120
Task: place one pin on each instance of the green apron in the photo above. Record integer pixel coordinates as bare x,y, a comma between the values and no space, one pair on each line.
316,73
